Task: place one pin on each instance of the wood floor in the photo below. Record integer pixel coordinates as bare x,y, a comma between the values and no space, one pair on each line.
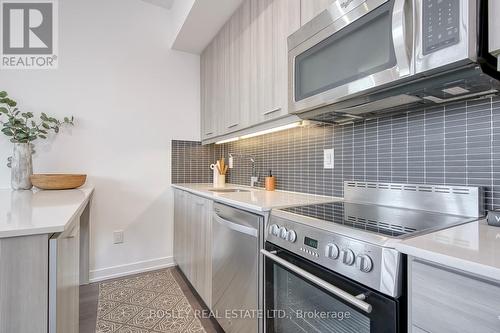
89,296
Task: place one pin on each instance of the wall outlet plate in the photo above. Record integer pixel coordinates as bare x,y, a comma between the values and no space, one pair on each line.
118,237
328,158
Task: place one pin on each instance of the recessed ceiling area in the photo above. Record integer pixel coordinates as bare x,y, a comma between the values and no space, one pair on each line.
161,3
198,21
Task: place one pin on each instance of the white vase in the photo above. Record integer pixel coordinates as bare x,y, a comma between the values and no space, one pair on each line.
21,167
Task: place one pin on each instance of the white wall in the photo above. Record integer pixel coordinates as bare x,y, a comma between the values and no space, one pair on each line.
130,95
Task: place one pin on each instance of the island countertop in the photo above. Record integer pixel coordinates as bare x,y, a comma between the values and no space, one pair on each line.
35,212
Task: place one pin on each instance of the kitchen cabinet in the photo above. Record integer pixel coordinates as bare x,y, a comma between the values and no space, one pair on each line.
310,8
192,241
245,68
208,93
42,266
444,300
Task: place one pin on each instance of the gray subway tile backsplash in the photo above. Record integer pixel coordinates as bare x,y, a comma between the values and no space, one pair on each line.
457,144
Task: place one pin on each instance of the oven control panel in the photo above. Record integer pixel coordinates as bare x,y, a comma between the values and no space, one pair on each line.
440,24
364,262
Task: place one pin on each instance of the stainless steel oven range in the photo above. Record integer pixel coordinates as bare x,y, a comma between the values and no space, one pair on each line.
333,267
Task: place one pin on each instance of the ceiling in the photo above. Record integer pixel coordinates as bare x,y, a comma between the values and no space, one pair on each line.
162,3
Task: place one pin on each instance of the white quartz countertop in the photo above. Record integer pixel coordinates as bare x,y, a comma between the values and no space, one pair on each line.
35,212
258,200
472,247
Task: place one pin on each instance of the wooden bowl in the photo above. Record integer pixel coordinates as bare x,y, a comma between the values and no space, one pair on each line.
54,181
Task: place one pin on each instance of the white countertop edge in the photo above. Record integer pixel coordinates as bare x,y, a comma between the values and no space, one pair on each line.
244,205
56,227
468,266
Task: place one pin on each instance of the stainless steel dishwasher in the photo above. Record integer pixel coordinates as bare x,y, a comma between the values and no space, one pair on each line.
236,238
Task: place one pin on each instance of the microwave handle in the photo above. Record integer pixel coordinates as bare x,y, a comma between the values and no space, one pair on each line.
357,301
402,35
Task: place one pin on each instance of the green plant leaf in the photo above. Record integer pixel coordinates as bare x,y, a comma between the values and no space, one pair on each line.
3,94
7,131
56,129
45,125
33,124
4,110
42,136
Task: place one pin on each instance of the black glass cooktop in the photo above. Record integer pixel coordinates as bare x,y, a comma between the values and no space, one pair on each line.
389,221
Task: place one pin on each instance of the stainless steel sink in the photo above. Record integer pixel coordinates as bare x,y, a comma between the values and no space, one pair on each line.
227,190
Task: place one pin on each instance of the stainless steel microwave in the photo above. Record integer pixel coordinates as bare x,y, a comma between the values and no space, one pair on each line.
358,57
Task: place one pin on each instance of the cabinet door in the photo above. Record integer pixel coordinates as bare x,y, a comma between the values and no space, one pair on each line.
205,253
208,79
310,8
262,103
245,62
179,233
272,22
286,20
443,301
64,281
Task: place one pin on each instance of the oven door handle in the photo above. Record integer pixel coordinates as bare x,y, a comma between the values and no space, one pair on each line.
357,302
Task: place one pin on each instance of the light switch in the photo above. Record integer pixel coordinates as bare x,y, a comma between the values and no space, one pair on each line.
328,158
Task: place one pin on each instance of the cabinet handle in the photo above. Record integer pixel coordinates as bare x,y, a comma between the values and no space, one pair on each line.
271,111
233,125
209,133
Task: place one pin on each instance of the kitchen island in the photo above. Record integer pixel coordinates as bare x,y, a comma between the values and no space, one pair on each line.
44,257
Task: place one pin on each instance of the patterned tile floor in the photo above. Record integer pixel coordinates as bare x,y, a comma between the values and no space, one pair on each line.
147,303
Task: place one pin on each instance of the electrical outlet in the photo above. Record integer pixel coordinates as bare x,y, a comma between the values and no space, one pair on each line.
118,237
328,158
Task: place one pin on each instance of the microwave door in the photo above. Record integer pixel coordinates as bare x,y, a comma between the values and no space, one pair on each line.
368,47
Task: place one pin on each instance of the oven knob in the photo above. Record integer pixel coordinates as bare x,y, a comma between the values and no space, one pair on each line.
291,236
364,263
332,251
274,229
283,233
347,257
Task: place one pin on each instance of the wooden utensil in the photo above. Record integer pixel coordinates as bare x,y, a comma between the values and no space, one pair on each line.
218,168
53,181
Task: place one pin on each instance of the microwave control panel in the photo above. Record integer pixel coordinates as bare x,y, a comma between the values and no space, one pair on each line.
440,24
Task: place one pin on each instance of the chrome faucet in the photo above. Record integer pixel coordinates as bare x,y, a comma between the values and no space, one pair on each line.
255,176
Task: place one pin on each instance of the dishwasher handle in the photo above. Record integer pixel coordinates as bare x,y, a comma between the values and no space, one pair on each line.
235,226
357,301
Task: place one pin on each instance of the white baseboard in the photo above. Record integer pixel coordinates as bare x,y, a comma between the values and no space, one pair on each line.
132,268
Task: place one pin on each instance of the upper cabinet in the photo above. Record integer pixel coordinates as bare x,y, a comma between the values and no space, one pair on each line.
245,67
208,78
310,8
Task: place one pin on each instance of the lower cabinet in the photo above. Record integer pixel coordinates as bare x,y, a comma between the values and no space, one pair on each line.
64,281
192,241
443,300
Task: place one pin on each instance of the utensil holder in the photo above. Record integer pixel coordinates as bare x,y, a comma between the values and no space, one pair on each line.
221,181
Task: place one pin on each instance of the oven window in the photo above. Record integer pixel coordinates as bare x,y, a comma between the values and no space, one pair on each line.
302,307
360,49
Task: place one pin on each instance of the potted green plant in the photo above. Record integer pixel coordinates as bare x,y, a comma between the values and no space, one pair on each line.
22,128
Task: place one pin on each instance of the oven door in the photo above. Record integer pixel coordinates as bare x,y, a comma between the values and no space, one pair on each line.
303,297
349,49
